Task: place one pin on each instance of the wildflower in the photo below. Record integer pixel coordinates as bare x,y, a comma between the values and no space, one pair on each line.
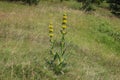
58,59
51,35
64,21
64,26
50,26
64,17
50,30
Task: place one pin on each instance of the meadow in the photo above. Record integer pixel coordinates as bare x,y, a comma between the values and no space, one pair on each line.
93,38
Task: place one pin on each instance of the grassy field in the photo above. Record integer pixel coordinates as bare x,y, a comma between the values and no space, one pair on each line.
94,42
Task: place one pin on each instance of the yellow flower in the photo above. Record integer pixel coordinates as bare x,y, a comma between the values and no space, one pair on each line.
64,26
50,30
50,26
51,35
64,21
64,17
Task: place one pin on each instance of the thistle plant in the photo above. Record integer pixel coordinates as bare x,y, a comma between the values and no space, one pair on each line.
57,62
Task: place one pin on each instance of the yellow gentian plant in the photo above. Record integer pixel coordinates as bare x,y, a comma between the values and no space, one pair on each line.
57,63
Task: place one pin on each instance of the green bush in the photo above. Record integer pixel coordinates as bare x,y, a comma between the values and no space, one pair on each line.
89,5
115,7
30,2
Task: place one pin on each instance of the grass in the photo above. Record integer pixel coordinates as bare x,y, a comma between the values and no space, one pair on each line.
24,42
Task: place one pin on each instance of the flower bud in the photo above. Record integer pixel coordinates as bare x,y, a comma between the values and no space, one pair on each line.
50,30
64,21
51,35
64,26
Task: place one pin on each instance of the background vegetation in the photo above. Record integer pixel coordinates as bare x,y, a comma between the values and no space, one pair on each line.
94,41
87,5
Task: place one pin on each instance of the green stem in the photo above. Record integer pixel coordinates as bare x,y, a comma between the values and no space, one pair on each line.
51,46
62,43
